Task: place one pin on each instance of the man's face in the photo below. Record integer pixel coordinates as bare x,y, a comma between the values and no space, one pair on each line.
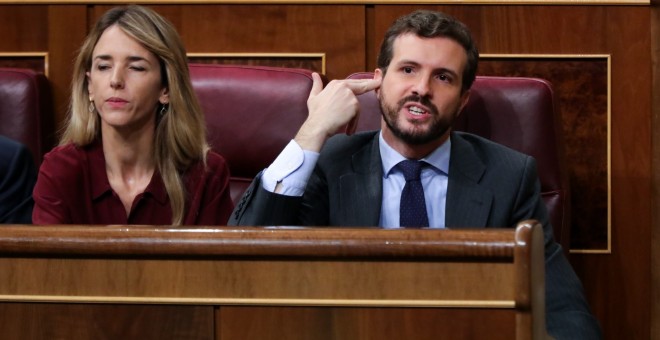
420,94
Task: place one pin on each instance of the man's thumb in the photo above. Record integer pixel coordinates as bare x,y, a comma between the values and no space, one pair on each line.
317,85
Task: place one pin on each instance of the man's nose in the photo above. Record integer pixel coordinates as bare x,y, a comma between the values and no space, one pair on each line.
422,86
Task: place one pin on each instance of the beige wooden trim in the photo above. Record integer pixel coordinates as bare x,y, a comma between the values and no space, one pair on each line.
28,54
320,55
496,304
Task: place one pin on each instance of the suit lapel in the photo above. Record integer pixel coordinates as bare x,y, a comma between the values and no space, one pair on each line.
468,203
361,189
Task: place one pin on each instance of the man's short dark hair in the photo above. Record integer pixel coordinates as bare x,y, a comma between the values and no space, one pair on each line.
431,24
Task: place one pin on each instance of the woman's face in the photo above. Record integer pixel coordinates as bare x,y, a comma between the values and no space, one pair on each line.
125,82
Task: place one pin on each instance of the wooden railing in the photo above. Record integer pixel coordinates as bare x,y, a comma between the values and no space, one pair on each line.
270,283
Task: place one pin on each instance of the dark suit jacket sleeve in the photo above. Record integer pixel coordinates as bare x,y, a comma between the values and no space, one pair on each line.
18,174
567,311
259,207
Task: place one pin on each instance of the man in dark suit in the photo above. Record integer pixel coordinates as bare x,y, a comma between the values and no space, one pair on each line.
18,174
426,66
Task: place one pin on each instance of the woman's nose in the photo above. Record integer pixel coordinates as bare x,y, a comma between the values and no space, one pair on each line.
117,80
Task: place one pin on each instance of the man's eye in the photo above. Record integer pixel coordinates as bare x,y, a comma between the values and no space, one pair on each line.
407,70
443,77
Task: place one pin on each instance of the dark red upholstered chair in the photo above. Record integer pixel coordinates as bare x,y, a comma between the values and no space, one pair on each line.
516,112
252,112
26,112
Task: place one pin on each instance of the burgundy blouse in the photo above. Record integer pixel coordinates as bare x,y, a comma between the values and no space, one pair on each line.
73,188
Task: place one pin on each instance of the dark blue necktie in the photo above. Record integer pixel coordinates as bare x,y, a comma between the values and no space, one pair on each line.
413,206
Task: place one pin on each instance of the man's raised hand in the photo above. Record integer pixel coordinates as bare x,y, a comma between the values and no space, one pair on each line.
331,108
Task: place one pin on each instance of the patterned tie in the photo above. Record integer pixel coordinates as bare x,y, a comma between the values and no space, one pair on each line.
413,206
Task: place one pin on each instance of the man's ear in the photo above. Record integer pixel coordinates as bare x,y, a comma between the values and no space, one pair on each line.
378,75
465,97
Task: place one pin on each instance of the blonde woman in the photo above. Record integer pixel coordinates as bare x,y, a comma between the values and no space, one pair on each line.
134,148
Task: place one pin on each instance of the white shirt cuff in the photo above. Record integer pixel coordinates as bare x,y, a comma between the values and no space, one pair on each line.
292,168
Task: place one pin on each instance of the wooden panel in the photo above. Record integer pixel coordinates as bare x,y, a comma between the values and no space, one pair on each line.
298,323
580,87
67,28
290,29
23,28
273,29
314,62
37,321
261,280
623,279
655,232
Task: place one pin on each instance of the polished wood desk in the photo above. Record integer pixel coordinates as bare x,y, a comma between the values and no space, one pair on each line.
138,282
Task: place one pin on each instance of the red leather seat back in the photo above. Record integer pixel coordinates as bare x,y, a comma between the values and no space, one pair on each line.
516,112
26,113
252,112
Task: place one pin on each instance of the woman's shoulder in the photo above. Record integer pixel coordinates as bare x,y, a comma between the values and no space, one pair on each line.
210,177
68,159
215,167
67,154
214,160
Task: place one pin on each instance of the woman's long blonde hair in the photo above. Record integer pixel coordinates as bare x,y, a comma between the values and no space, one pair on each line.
180,136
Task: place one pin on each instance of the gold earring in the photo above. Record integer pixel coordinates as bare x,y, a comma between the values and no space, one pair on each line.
91,106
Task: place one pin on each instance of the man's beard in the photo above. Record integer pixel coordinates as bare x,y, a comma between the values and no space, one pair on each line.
416,136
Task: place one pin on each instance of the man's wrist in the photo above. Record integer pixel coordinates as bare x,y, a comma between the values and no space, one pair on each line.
310,138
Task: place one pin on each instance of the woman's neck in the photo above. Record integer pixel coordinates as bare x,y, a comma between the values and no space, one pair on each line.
129,164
